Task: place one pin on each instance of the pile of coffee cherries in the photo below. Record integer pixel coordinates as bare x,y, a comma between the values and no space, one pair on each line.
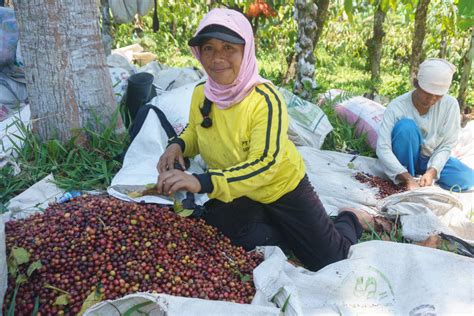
112,247
385,187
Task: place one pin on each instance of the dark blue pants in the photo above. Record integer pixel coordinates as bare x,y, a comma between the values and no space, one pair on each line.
406,145
297,221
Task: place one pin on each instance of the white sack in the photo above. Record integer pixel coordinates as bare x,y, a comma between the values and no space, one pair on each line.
308,124
169,305
366,115
378,278
176,104
34,199
464,148
172,78
10,134
429,211
139,165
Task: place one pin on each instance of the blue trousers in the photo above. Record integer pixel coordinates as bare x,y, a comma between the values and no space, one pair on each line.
406,145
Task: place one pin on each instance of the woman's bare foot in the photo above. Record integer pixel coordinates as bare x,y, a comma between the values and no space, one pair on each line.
370,222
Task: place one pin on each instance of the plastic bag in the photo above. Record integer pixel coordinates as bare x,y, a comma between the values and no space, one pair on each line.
124,10
308,125
366,115
8,36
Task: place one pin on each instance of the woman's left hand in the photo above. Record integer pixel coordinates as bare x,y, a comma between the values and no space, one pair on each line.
176,180
428,178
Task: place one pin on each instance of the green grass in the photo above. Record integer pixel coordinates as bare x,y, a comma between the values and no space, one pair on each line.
73,166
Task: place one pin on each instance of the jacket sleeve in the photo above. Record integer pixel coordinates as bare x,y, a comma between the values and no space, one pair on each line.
451,127
392,166
187,139
269,125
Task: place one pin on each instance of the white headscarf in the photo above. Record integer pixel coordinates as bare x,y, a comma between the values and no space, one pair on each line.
435,75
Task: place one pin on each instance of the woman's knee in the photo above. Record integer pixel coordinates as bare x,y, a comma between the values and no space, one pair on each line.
461,182
405,127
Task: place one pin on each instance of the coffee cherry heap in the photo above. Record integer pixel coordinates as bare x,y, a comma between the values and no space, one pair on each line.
117,248
385,187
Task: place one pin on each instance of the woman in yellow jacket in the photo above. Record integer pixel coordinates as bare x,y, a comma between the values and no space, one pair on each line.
259,193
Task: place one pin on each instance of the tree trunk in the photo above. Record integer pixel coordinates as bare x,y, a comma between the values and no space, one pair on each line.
466,74
291,70
305,15
68,81
374,46
443,46
321,18
419,36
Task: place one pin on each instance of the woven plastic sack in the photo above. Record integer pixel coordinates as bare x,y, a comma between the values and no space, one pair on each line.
366,115
8,36
308,124
125,10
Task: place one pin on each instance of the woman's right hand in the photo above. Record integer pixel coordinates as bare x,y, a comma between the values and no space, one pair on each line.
171,155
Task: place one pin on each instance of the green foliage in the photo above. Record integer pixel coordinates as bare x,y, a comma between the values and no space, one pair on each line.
73,166
465,14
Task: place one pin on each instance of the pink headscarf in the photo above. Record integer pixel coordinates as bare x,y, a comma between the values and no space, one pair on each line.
227,95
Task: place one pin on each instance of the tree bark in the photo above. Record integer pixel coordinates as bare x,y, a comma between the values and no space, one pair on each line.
321,17
419,36
466,74
443,46
305,15
68,82
374,46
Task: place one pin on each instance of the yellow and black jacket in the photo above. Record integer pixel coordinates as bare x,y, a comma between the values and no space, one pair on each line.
246,148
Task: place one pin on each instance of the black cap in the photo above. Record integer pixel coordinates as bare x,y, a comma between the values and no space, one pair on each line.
218,32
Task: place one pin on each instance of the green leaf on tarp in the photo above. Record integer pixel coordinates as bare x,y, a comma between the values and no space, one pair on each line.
62,299
12,266
186,212
349,8
51,287
11,308
245,278
150,186
285,305
21,278
178,207
21,255
93,298
135,194
36,307
135,308
34,266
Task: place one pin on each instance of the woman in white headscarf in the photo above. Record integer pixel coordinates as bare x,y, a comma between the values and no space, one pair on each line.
419,130
259,192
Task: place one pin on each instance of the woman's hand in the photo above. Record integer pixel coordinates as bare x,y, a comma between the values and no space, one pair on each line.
176,180
408,181
171,155
411,184
428,178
